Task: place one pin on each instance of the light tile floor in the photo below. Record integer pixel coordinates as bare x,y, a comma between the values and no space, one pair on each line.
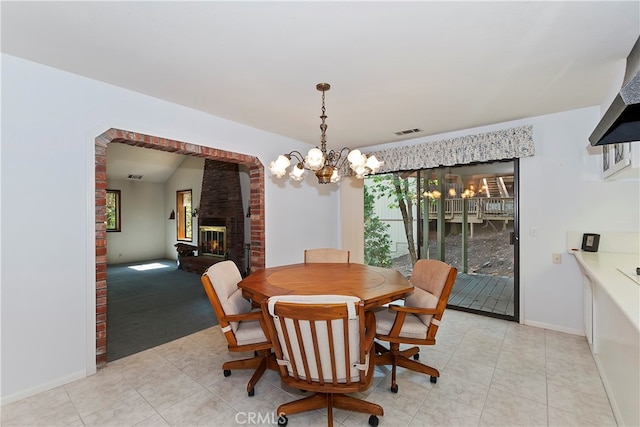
493,373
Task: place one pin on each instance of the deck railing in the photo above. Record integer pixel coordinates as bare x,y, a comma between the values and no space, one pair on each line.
477,207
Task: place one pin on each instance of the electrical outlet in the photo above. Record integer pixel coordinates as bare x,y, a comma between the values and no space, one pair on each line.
556,258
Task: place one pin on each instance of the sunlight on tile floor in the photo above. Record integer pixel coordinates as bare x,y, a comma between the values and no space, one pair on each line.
493,373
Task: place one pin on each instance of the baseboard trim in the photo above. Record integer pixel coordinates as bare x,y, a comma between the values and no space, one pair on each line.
43,387
555,328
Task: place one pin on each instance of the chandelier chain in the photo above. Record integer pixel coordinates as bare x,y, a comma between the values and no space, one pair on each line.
326,165
323,126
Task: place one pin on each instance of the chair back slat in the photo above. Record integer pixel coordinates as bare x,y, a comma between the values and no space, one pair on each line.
347,348
301,348
286,348
316,352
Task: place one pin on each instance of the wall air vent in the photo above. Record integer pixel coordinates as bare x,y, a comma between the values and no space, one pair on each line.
135,177
408,131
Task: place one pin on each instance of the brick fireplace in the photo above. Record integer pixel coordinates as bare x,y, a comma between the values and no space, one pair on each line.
221,213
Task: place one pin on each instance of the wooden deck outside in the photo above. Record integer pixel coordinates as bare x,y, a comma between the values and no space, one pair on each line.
493,294
479,209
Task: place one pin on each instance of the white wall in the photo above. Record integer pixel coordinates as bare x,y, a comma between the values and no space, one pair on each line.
351,217
560,190
142,217
50,119
188,176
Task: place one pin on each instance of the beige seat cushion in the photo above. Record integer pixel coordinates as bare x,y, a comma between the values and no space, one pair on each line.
249,332
411,328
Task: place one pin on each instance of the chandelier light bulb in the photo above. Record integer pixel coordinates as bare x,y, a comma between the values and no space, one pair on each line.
355,157
373,164
280,165
335,176
314,159
297,172
360,171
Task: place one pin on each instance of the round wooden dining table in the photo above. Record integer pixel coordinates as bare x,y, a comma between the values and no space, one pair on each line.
375,286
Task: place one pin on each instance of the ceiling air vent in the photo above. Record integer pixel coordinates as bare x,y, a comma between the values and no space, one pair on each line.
408,131
135,177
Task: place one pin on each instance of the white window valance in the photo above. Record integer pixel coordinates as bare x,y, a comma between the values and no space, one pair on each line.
485,147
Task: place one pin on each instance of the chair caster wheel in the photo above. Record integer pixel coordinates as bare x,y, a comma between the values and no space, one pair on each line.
282,420
227,372
433,379
416,356
251,392
394,388
373,420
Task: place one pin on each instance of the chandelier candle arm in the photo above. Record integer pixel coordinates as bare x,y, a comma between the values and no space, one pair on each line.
324,165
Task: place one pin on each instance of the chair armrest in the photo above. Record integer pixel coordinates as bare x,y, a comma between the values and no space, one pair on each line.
414,310
252,315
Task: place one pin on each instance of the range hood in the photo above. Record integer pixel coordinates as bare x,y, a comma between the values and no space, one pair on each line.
621,121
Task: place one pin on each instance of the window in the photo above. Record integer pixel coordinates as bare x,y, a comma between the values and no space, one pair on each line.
184,217
112,211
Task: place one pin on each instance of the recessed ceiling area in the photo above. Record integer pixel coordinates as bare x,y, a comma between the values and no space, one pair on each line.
429,65
155,166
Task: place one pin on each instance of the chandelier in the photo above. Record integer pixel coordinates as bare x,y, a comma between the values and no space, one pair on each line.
325,165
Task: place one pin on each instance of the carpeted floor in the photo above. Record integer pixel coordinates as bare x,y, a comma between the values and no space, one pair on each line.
147,307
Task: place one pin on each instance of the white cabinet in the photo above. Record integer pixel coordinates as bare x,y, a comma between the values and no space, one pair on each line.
588,311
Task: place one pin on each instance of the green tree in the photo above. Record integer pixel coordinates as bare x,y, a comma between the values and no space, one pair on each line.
377,243
401,190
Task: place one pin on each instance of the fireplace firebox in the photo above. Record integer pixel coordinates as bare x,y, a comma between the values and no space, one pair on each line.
213,241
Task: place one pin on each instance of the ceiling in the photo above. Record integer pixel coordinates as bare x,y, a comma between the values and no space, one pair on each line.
392,66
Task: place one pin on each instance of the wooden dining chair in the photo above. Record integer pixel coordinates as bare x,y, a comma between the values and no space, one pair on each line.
326,255
323,344
416,322
243,326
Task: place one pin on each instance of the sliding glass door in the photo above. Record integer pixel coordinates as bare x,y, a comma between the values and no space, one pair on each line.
465,216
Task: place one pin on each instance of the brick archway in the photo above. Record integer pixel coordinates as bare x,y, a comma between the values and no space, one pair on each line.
256,202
